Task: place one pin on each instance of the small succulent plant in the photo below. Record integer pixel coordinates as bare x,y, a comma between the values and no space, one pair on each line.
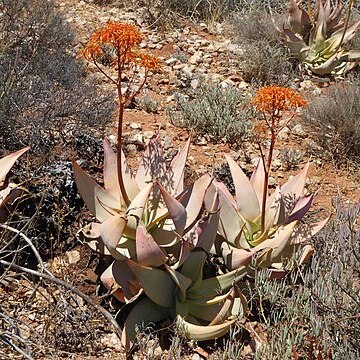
202,308
150,229
8,191
320,40
240,221
257,228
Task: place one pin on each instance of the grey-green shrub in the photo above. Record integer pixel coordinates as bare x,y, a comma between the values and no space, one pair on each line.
317,309
335,119
221,113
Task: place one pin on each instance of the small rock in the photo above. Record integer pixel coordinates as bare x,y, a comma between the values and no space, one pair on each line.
201,141
196,357
171,61
73,256
196,58
194,83
131,149
135,126
178,66
187,72
284,134
298,130
148,135
272,181
111,341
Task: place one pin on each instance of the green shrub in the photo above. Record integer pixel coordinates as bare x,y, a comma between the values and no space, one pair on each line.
220,113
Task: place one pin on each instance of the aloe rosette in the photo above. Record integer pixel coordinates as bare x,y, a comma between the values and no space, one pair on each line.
150,229
321,41
244,240
202,308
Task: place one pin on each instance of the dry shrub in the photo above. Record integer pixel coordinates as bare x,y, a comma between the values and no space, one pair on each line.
335,118
44,97
265,60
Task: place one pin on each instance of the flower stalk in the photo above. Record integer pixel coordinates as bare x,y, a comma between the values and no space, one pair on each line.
273,102
119,42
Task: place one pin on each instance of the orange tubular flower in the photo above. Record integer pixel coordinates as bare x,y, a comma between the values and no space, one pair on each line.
122,37
274,100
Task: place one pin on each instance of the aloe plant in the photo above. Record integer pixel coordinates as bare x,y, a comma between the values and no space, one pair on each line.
151,228
8,191
240,221
257,227
202,309
320,40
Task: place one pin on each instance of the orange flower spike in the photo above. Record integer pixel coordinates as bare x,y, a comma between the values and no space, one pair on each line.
277,99
122,37
148,61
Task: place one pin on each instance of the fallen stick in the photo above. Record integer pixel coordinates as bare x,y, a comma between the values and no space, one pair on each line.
67,286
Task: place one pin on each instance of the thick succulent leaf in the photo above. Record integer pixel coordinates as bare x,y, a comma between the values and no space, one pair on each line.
136,209
193,268
276,274
165,235
230,223
145,312
335,16
126,279
195,203
334,65
272,211
306,253
201,333
7,162
320,28
108,281
100,203
298,19
278,243
306,231
127,248
257,181
291,192
335,38
181,309
221,186
177,211
10,194
153,166
186,248
301,208
227,309
111,232
211,287
177,167
234,257
148,252
298,48
157,284
207,228
246,199
183,282
215,312
111,181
